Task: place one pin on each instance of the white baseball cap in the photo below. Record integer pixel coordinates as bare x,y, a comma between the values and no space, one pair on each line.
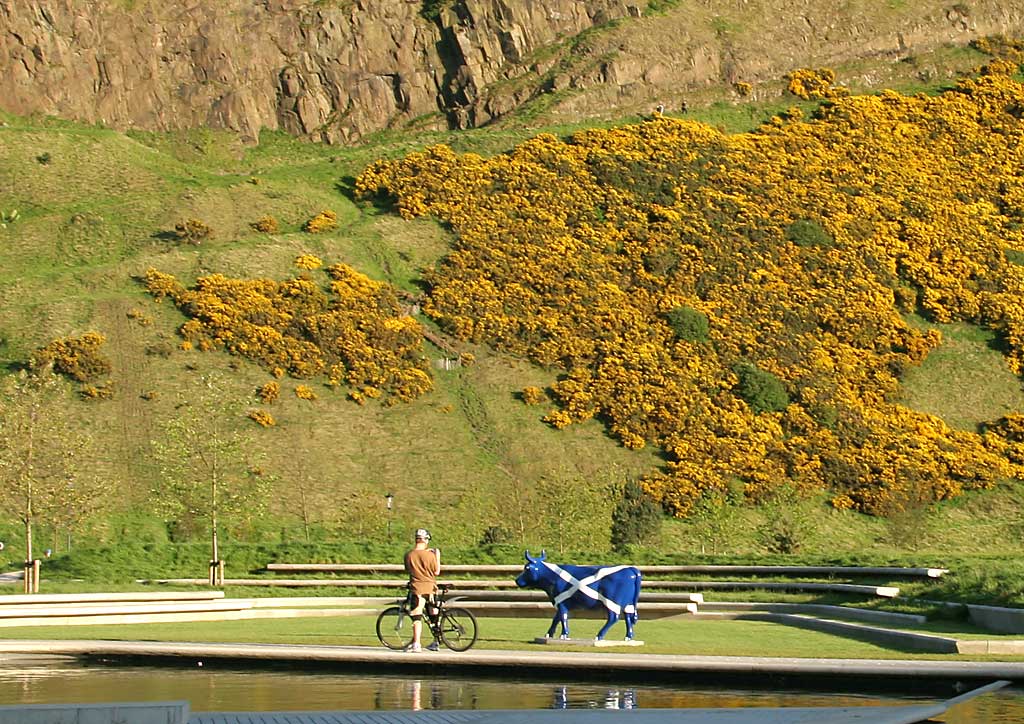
422,534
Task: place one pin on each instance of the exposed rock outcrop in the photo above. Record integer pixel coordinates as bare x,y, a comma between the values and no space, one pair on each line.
336,71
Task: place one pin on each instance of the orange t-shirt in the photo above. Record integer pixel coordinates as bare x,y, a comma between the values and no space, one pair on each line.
420,565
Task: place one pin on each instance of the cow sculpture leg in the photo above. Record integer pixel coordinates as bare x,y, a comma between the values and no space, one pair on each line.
612,618
630,623
561,617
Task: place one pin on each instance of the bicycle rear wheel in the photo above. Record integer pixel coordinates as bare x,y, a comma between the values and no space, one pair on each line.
394,628
457,629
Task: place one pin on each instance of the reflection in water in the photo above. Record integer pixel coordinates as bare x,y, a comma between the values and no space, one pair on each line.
613,699
212,688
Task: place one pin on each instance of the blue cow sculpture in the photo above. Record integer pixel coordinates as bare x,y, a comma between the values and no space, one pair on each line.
617,588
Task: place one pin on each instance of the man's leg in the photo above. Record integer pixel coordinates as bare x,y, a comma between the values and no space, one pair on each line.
416,614
431,614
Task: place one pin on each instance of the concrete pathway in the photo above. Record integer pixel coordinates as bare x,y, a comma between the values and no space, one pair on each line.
511,662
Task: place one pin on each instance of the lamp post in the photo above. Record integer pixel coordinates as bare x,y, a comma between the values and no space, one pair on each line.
390,499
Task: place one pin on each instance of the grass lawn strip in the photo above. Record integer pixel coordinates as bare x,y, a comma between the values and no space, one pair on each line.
681,636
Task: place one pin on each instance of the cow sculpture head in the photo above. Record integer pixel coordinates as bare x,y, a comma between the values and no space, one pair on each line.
531,574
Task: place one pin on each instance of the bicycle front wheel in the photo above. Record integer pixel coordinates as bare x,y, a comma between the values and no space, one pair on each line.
394,628
457,629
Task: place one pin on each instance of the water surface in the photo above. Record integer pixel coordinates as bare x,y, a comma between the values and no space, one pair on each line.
33,680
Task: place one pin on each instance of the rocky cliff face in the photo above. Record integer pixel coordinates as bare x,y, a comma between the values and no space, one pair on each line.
333,71
336,70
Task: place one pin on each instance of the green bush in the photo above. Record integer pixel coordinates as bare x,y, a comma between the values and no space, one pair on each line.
808,233
636,517
689,324
431,9
760,389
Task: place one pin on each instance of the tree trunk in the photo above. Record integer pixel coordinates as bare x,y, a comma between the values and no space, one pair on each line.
215,547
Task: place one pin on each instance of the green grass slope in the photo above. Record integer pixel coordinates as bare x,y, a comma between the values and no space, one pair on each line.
95,208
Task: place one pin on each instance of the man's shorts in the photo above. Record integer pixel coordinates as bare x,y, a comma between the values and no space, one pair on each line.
417,603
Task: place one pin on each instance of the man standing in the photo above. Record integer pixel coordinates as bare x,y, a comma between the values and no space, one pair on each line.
423,566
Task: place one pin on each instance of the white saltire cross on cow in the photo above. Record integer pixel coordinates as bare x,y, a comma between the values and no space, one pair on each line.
617,588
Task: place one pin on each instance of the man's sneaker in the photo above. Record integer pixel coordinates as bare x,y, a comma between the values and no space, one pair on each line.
433,647
415,648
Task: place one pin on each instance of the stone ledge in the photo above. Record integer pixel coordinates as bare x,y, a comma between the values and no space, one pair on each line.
819,610
996,618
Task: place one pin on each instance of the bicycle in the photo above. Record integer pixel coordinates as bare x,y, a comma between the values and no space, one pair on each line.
453,626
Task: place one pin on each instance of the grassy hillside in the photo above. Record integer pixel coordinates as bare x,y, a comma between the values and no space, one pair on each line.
95,211
97,208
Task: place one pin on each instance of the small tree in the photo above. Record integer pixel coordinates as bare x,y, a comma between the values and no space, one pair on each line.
575,510
42,451
636,517
689,324
788,521
309,495
762,390
209,464
809,233
717,516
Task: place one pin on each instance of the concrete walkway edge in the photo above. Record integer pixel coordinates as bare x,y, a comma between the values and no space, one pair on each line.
507,661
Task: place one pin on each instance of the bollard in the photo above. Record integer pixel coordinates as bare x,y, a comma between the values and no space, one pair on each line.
31,577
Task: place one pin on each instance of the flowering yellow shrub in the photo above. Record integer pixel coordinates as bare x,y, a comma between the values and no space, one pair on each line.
308,261
356,333
305,392
266,225
742,88
533,395
80,358
803,244
269,392
98,392
262,418
814,84
326,220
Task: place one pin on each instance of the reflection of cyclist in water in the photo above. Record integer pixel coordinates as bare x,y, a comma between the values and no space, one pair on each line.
423,566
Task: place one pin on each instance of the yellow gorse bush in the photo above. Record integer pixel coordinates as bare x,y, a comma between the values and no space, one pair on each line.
356,334
308,262
816,84
80,358
326,220
266,225
803,243
262,418
269,392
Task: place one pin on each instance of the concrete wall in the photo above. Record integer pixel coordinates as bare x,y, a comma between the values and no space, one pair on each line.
173,712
